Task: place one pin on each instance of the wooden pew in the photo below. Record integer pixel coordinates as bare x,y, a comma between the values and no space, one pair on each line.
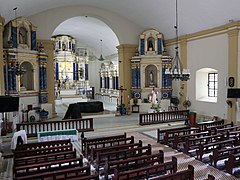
161,133
109,143
206,148
219,154
205,125
193,143
133,163
44,158
210,177
212,128
224,130
39,145
122,154
181,138
169,135
187,174
233,161
94,152
61,174
48,150
100,139
41,168
147,172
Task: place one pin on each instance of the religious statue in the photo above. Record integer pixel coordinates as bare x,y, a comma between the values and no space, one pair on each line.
150,45
154,96
151,78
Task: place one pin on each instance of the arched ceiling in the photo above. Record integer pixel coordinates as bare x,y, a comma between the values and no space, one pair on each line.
194,15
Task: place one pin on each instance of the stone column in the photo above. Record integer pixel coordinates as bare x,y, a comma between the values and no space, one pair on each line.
233,68
2,90
183,58
125,53
49,50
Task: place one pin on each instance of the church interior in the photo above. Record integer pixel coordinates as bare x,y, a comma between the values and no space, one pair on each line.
113,89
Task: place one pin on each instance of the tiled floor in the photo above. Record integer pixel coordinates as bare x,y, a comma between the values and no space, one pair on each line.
108,124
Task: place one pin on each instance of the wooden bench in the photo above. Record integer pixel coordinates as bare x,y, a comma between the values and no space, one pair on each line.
212,128
147,172
210,177
48,150
61,174
205,125
130,145
169,135
133,163
206,148
187,174
39,145
122,154
233,161
193,143
44,158
161,133
109,143
32,128
40,168
225,130
164,117
219,154
100,139
181,138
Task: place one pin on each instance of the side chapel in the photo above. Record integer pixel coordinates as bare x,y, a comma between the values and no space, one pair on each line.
148,72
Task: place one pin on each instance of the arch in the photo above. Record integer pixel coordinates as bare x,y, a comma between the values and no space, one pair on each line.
151,76
126,31
27,79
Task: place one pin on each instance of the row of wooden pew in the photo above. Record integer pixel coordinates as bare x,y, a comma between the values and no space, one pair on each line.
48,161
120,157
215,142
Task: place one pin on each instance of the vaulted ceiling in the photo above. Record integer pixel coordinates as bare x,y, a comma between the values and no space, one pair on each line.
194,16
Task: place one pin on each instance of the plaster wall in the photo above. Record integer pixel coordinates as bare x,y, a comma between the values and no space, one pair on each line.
211,52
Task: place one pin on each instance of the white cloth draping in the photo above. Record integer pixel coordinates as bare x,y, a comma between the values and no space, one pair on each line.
22,134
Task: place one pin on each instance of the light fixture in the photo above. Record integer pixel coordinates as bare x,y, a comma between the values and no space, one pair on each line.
101,56
177,72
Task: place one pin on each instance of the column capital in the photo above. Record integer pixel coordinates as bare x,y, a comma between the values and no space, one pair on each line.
2,20
233,32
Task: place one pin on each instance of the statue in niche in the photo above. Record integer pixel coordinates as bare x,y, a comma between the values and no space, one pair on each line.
22,35
150,44
151,78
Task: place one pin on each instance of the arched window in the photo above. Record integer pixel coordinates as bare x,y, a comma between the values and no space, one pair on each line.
207,85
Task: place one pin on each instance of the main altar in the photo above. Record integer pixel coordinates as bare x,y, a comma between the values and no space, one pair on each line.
150,87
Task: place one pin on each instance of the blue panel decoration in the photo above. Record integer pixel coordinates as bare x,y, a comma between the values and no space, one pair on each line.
57,71
134,77
138,78
117,83
108,82
33,41
77,75
74,71
142,45
113,82
59,45
14,82
86,72
70,45
14,37
10,81
41,78
100,82
73,47
44,78
159,46
5,77
43,98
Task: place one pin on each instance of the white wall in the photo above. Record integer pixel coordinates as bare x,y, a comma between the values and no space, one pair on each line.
211,52
126,31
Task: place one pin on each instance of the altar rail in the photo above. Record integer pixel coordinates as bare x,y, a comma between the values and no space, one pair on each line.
163,117
32,128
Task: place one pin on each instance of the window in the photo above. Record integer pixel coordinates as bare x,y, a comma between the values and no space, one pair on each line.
212,84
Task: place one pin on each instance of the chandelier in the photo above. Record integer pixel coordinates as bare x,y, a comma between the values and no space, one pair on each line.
177,72
101,56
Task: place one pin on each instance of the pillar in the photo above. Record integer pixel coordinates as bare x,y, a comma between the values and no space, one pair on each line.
49,50
233,68
2,90
125,53
183,58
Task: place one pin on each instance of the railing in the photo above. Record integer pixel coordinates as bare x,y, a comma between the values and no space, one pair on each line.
163,117
204,125
32,128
